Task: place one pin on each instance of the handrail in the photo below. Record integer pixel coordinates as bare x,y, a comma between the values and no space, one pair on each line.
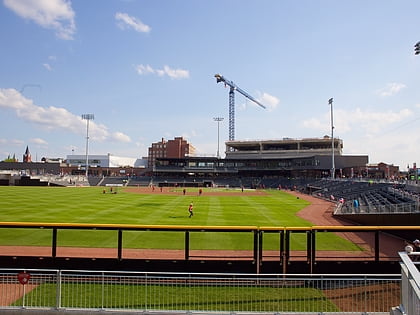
347,228
125,226
364,227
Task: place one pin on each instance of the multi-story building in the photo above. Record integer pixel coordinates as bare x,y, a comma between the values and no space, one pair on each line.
104,165
383,170
176,148
310,157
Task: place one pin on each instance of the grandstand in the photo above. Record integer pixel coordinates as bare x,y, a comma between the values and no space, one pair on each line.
371,203
139,181
365,196
265,163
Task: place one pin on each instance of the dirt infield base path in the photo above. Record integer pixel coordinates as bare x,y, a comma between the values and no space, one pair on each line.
319,212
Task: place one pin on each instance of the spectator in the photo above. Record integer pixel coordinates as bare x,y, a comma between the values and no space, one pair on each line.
416,244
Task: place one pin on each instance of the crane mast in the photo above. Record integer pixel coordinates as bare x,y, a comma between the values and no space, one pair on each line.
232,88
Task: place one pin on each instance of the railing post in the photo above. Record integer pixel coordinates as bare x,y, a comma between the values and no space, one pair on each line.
260,247
283,252
376,245
103,292
287,252
54,243
282,247
58,290
309,248
187,245
120,232
313,248
256,251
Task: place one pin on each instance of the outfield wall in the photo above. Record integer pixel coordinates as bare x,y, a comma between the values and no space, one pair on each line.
257,260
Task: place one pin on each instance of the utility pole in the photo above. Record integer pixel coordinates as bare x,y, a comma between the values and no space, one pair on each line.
87,117
330,102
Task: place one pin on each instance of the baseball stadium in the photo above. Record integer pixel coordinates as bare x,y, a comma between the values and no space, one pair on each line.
192,225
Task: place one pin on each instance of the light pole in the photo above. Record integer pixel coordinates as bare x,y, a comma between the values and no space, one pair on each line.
416,52
218,119
330,102
87,117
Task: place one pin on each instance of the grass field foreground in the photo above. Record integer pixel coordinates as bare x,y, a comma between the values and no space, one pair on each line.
178,297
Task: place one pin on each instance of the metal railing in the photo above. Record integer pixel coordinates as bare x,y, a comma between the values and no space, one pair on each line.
234,293
255,235
410,283
349,208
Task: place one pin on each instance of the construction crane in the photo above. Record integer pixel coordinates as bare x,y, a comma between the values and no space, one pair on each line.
232,88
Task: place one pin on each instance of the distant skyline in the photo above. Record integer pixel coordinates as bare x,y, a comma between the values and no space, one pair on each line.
146,70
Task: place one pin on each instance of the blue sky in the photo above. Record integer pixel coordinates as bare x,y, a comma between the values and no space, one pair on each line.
146,70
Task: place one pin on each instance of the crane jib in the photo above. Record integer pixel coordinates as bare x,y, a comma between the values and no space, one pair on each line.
233,87
220,78
249,96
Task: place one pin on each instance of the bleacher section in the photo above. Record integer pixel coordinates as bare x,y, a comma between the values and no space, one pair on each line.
142,181
113,181
95,181
227,182
365,197
286,183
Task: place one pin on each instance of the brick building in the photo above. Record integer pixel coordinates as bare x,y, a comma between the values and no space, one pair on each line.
383,170
176,148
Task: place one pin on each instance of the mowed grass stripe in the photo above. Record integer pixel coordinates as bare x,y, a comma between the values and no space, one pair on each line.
90,205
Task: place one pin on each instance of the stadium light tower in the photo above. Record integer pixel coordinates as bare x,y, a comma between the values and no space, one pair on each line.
87,117
417,48
218,119
330,102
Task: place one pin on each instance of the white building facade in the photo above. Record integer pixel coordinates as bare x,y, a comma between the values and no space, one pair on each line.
105,161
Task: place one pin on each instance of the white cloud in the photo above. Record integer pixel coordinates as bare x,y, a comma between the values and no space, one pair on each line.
269,101
120,137
57,15
172,73
38,141
47,66
144,69
55,118
14,142
126,21
385,136
391,89
368,122
315,124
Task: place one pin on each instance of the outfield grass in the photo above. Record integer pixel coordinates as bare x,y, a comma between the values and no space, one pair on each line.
178,297
90,205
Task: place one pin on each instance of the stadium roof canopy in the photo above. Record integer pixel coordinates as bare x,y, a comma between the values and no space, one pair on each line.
287,147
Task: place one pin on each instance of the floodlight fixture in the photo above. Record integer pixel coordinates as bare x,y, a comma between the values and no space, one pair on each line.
417,48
